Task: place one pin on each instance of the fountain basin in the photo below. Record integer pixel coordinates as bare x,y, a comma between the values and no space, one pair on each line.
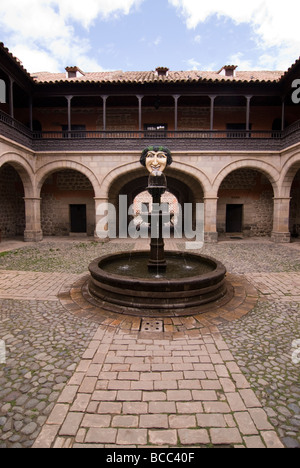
122,283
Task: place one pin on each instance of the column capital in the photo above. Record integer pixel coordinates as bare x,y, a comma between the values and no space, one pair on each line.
32,198
282,198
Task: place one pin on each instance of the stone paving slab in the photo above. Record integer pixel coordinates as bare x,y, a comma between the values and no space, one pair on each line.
277,286
142,390
26,285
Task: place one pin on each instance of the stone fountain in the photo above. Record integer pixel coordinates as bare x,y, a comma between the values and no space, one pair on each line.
159,283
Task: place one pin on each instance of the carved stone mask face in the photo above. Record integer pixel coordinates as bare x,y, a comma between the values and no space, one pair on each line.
156,161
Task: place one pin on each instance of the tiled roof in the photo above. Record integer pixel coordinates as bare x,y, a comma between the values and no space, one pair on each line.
118,77
152,77
14,59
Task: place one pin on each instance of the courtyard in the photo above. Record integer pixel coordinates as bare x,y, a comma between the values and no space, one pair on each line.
74,378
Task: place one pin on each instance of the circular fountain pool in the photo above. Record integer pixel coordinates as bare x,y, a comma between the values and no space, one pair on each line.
122,283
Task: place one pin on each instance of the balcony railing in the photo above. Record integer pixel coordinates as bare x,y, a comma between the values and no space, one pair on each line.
189,140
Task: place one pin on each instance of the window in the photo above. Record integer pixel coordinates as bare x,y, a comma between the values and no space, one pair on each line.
2,92
156,130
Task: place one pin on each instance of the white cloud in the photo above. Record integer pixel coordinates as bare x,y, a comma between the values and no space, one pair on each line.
193,64
274,23
42,32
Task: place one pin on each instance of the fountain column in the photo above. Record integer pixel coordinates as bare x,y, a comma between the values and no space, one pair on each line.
157,185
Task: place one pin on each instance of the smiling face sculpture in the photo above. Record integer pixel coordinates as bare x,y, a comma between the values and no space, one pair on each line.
156,159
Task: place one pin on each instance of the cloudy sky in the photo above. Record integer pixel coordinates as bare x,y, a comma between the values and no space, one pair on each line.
48,35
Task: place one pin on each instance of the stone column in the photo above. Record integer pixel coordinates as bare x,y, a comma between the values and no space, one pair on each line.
103,216
33,230
210,220
281,229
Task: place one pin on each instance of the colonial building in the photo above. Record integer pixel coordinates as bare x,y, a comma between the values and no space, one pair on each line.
70,141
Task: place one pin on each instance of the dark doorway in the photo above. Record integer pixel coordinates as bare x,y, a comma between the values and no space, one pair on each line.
78,218
234,218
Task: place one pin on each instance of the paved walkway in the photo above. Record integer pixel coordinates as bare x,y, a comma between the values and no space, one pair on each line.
141,389
24,285
136,390
277,286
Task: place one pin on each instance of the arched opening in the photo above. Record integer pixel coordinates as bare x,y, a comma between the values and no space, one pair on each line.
245,205
181,186
67,204
12,205
295,207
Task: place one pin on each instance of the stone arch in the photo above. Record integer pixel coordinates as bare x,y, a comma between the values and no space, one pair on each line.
182,172
45,171
246,201
289,172
24,170
67,195
132,179
290,192
268,170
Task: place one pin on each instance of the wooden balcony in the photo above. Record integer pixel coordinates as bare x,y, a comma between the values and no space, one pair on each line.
201,140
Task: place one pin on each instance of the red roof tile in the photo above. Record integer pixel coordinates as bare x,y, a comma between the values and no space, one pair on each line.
151,77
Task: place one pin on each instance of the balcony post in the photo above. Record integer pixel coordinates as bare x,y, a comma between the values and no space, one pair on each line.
140,98
69,99
283,114
281,229
104,99
176,97
248,112
212,111
30,114
11,97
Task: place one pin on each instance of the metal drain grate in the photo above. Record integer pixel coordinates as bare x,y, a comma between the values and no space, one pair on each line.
154,326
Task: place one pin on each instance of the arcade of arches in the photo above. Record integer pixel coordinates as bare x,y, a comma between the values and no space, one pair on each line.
245,202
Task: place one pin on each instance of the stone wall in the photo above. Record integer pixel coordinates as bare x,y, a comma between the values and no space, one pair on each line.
61,190
12,206
251,189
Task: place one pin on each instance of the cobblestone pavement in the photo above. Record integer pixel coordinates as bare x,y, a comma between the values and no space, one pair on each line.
68,382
